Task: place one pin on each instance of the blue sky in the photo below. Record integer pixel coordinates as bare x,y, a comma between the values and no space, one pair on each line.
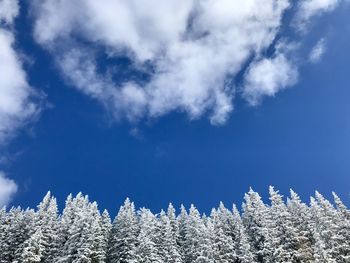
180,127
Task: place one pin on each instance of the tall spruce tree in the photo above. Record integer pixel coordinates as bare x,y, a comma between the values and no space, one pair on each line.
223,244
105,229
18,225
343,232
168,248
331,229
257,220
124,235
302,225
147,250
182,222
321,227
282,229
242,246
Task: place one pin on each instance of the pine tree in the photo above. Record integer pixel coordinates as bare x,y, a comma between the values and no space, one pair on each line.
146,251
321,254
81,244
301,221
332,229
16,230
46,227
167,245
96,235
33,249
342,209
282,229
241,240
124,235
3,233
206,247
342,236
105,228
223,244
171,214
197,245
182,220
322,230
256,220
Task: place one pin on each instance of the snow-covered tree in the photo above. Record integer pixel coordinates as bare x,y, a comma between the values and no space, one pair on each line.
282,229
321,227
256,219
290,232
15,231
242,246
332,229
197,245
47,226
182,232
168,248
223,244
33,249
81,243
102,240
124,235
301,220
147,249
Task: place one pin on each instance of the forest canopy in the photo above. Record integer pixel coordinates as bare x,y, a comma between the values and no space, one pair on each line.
279,231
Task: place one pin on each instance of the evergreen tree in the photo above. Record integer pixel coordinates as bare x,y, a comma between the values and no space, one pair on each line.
301,221
206,247
124,235
342,236
197,246
167,247
322,233
105,228
223,244
171,214
332,229
182,232
146,251
282,229
80,246
256,219
16,230
241,240
342,209
33,249
46,227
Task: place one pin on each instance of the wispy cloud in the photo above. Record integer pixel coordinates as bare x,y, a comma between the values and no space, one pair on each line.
310,8
190,51
317,51
16,105
8,188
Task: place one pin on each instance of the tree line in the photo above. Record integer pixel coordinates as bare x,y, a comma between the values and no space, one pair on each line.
280,231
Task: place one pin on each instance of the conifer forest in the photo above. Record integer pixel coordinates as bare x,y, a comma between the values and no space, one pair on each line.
288,231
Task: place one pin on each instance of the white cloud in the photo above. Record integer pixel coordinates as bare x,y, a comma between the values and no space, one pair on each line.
8,188
317,51
191,51
16,106
311,8
267,77
8,10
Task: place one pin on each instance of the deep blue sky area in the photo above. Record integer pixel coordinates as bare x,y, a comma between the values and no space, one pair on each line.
298,139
